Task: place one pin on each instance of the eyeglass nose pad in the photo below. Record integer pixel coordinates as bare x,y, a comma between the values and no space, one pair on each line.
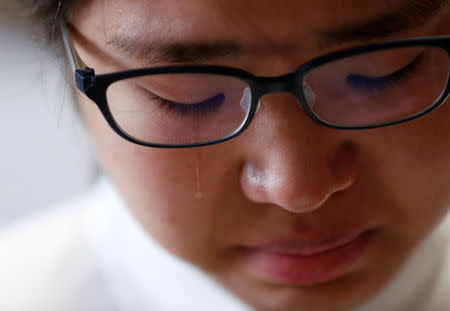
309,94
246,99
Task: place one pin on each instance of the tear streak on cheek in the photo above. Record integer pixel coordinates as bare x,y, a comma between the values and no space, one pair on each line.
198,194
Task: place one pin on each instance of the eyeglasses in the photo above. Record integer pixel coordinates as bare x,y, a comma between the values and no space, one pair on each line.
187,106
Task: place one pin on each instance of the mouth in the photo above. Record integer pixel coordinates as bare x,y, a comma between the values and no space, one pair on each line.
300,263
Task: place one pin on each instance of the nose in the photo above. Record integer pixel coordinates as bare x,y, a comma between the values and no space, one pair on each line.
294,163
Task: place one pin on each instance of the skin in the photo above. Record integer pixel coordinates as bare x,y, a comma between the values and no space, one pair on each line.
284,176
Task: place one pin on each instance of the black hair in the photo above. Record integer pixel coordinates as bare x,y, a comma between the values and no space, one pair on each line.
48,13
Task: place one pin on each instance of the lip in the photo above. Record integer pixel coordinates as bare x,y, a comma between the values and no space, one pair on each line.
307,263
307,248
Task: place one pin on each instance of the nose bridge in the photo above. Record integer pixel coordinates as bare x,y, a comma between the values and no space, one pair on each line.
303,167
286,83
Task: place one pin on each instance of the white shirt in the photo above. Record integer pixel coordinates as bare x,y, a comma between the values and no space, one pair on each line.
90,254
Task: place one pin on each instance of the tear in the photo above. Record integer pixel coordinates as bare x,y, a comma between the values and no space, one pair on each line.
198,193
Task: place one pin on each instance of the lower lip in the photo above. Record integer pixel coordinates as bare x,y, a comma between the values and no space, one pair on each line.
306,270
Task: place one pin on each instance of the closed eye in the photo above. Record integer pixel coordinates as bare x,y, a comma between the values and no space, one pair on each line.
196,109
376,84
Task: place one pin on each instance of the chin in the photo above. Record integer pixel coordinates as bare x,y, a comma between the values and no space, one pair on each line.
326,297
355,288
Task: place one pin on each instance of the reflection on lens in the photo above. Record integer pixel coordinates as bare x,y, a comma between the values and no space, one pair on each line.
309,94
377,87
179,108
246,99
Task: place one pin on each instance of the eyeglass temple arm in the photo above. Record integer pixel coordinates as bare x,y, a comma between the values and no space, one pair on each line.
84,75
74,58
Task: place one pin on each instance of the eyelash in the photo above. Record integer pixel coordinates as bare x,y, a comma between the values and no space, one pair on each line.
205,107
369,84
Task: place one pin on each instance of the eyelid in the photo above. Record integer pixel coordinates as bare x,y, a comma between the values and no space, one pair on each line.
196,109
220,96
359,81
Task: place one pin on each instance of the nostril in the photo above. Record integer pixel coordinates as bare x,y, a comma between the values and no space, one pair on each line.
343,167
299,185
296,193
307,204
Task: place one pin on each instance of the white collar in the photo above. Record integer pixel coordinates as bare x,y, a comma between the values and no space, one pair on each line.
415,286
141,275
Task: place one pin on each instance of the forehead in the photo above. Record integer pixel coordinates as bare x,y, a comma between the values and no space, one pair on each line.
282,22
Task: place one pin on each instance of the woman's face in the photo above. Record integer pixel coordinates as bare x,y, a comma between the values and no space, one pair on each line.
289,215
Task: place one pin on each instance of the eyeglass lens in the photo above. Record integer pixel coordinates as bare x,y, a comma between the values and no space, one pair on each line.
378,87
179,108
361,90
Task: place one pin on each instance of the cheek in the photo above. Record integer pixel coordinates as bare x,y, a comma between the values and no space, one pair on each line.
174,194
179,198
412,161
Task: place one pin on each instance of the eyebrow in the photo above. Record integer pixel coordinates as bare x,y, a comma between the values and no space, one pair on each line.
157,51
415,13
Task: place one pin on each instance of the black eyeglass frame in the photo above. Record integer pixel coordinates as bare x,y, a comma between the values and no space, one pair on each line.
95,86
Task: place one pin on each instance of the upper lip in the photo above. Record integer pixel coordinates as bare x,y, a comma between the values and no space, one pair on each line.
301,247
